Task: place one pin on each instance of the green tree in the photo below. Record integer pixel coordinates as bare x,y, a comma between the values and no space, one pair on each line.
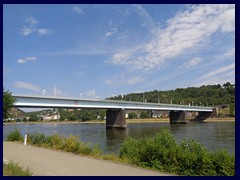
33,117
144,114
8,101
132,115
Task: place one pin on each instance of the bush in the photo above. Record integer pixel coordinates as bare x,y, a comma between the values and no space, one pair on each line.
187,158
56,142
37,139
13,169
15,136
194,159
132,115
71,144
224,163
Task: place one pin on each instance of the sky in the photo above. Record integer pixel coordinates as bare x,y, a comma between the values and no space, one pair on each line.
97,51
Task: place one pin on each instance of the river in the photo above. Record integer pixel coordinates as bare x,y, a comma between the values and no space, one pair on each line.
214,135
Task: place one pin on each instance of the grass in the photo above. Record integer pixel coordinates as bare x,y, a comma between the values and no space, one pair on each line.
13,169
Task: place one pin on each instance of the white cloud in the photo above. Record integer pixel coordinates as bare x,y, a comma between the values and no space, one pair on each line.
187,30
193,62
21,61
111,32
26,30
33,58
32,27
77,9
218,79
43,31
147,18
220,70
25,85
135,80
230,52
123,79
31,21
24,60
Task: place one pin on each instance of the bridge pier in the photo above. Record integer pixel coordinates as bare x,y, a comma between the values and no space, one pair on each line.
115,118
178,117
204,115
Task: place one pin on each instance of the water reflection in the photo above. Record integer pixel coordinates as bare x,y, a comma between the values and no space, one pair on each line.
114,139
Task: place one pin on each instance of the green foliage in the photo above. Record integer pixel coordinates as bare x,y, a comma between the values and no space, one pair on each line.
224,164
187,158
15,135
8,101
13,169
82,115
144,115
56,142
33,117
37,139
205,95
194,159
70,144
132,115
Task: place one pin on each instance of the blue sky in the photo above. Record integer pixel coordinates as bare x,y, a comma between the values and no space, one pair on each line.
98,51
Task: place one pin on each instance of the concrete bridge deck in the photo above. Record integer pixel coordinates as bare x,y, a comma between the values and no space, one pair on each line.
46,162
115,114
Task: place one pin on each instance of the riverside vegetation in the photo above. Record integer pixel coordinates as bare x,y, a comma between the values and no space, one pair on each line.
161,152
13,169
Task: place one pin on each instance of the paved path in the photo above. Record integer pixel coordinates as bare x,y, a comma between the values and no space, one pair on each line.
45,162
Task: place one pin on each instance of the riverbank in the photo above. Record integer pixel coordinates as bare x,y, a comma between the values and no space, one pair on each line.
148,120
48,162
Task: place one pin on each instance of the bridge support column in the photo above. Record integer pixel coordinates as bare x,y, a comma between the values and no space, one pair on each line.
204,115
115,118
178,117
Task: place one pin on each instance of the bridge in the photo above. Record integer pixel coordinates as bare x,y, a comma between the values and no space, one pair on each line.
115,114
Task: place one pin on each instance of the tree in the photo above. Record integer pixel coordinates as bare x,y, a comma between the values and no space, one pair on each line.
144,115
132,115
33,117
8,101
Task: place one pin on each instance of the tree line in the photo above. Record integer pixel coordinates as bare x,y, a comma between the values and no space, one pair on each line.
207,95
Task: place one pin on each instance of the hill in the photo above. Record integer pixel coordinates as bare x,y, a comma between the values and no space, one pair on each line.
207,95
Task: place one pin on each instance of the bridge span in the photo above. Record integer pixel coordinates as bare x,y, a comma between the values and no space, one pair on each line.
115,115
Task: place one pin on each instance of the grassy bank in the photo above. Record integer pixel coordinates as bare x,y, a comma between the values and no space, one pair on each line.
13,169
160,152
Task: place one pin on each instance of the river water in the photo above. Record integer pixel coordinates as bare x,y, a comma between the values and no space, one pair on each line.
214,135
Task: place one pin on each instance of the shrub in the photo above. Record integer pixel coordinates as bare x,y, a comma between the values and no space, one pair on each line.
56,142
194,159
13,169
15,136
71,144
187,158
224,163
37,139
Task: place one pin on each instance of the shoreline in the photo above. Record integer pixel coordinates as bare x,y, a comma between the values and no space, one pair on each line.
130,121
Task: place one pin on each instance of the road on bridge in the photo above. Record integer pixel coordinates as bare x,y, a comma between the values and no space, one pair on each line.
46,162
